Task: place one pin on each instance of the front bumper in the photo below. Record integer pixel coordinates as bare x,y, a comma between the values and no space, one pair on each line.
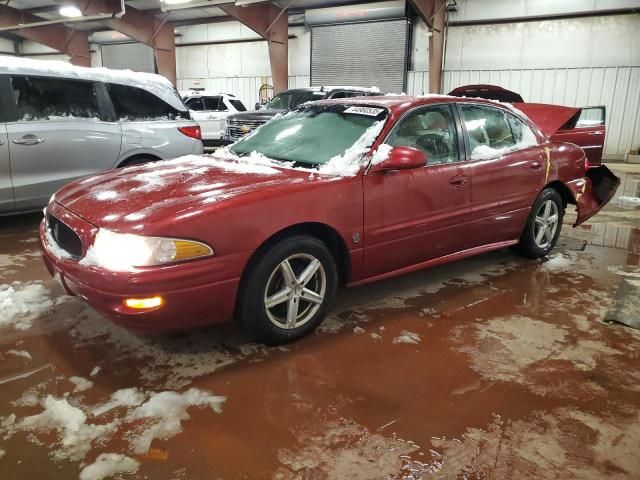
196,293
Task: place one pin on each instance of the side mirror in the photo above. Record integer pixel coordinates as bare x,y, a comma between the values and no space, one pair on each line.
258,106
402,158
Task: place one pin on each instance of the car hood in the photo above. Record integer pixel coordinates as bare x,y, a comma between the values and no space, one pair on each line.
127,198
257,115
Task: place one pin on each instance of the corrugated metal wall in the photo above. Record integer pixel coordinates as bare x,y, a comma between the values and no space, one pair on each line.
245,88
615,87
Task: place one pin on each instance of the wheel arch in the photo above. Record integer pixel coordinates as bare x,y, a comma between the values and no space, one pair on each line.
125,162
562,190
323,232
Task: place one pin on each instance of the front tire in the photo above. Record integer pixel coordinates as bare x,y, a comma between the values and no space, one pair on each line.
286,292
543,225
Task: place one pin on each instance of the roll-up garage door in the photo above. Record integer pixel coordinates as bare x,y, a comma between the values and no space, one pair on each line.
134,56
360,54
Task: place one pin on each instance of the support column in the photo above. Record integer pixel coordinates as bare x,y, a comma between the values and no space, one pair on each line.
434,12
272,24
143,27
64,39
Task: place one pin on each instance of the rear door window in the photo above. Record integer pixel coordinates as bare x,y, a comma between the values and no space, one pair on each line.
195,104
137,104
238,105
591,117
214,104
39,98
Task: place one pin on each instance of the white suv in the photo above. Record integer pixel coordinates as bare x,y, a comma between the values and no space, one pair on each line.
211,110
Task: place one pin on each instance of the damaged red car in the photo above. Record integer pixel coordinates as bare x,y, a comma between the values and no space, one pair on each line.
337,192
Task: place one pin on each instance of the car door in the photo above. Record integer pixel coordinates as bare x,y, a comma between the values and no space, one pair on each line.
217,113
507,168
6,187
587,129
59,132
416,215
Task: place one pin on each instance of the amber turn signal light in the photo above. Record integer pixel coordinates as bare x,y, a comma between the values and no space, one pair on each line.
144,303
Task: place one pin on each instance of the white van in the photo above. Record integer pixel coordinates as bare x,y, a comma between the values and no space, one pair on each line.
59,122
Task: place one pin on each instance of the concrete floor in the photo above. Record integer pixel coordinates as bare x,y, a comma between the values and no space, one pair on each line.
492,367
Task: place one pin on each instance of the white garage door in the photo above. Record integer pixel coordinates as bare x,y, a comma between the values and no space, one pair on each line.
360,54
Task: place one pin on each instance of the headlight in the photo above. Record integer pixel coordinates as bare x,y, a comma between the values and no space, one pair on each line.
123,251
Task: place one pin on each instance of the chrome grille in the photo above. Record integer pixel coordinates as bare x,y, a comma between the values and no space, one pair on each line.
236,129
64,236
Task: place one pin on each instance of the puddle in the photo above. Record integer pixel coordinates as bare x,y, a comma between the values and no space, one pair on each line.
492,367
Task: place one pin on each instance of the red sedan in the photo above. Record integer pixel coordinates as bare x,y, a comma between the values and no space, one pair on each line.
338,192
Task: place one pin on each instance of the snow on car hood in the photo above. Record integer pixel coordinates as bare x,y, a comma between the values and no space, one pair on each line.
156,190
156,84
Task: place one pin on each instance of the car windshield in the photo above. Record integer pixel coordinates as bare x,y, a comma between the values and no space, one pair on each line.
313,134
293,98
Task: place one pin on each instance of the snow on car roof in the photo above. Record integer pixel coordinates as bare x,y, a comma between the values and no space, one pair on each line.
156,84
328,88
204,93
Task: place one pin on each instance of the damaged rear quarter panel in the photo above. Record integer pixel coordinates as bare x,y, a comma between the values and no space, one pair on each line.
591,189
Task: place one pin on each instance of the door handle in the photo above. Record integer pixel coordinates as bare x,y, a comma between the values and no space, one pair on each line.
28,140
536,165
458,181
599,132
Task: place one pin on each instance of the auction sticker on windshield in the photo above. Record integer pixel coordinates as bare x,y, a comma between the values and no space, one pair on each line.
370,111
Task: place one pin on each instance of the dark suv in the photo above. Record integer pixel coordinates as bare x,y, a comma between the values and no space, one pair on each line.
240,124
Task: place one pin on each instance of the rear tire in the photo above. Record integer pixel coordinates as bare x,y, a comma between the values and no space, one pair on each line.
286,292
543,226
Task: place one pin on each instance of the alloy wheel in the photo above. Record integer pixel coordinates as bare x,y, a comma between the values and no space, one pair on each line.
546,224
295,291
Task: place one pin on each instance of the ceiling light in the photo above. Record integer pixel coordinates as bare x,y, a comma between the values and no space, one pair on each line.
175,2
70,11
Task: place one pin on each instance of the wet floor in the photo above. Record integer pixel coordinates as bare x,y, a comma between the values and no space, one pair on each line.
491,367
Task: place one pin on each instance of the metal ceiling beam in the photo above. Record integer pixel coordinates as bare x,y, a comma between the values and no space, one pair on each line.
271,23
142,26
434,12
65,40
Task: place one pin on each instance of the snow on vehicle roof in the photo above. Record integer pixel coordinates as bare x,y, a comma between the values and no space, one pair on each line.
328,88
156,84
204,93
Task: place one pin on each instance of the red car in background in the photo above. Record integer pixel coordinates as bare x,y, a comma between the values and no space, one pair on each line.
336,192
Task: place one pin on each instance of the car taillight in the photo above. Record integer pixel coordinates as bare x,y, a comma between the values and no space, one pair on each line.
192,131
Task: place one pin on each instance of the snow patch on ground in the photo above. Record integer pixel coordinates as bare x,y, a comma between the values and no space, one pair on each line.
20,353
107,465
75,435
164,412
125,397
95,371
81,384
21,303
558,261
407,337
144,416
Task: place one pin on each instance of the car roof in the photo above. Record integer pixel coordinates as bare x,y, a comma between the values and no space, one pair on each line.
331,88
404,102
205,93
